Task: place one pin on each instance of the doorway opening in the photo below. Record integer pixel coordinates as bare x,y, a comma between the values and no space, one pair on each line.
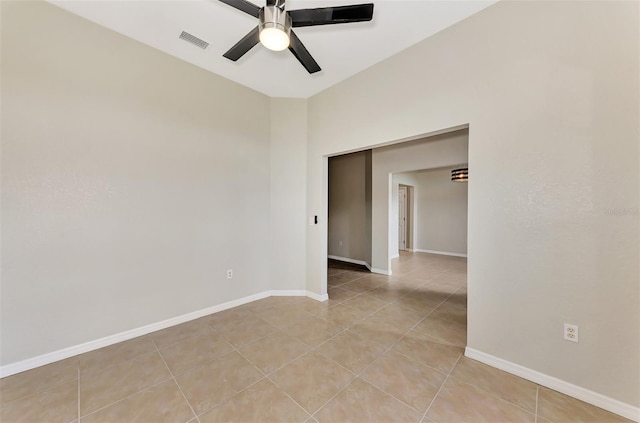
372,216
405,218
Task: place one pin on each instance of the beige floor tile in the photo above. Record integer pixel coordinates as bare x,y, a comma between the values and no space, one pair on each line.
379,331
39,379
245,331
351,350
101,388
179,333
364,284
450,278
343,316
202,349
459,297
406,284
560,408
228,316
301,380
366,304
208,385
272,352
262,402
332,271
114,354
425,297
459,402
344,277
449,310
363,402
56,404
408,381
389,292
310,305
161,403
510,388
285,317
411,305
444,286
420,348
313,331
398,315
448,331
339,295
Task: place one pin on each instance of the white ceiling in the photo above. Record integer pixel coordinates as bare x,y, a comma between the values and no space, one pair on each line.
340,50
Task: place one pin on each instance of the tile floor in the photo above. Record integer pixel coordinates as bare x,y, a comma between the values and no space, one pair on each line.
381,349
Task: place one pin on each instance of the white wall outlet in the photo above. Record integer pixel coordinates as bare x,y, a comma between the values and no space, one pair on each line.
340,243
229,274
571,332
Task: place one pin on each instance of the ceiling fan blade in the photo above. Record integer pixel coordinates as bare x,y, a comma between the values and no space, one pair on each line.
331,15
302,54
244,45
245,6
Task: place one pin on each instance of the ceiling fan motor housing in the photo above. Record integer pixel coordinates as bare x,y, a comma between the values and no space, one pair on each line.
275,17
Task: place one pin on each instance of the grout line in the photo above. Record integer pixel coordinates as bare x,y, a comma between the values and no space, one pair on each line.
78,390
536,410
265,376
127,397
175,381
424,416
357,375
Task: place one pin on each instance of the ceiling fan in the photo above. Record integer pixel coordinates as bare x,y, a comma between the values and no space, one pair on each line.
275,23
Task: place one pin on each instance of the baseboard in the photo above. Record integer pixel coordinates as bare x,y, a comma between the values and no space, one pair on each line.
317,297
299,293
41,360
594,398
380,271
442,253
350,260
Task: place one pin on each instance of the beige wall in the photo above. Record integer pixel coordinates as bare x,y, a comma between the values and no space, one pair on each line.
368,201
131,181
440,210
348,207
288,122
550,93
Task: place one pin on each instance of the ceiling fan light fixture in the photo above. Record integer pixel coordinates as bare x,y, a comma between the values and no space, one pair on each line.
274,39
275,27
460,175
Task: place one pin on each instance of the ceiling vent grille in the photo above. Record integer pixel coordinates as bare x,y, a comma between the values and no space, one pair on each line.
194,40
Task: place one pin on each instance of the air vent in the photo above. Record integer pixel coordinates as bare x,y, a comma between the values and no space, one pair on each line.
194,40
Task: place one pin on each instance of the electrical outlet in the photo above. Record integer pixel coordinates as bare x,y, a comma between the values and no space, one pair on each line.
340,243
229,274
571,332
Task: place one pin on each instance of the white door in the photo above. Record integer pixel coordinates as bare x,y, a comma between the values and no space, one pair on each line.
402,218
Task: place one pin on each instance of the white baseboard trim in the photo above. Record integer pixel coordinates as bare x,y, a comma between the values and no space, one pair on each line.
594,398
41,360
317,297
395,256
361,262
350,260
299,293
442,253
